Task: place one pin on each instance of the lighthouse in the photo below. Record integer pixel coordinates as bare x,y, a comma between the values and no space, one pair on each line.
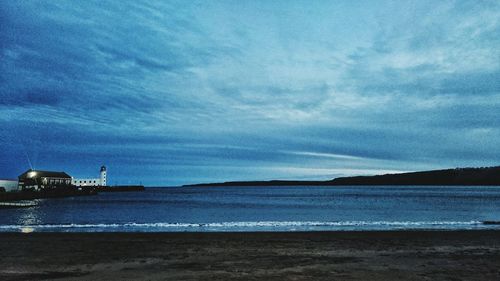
100,181
103,176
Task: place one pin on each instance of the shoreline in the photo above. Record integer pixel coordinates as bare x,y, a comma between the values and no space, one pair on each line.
485,176
234,227
318,255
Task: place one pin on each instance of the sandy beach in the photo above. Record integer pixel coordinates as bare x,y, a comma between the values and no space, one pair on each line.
393,255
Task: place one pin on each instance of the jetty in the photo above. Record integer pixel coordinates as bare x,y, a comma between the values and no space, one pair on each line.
120,188
56,193
11,205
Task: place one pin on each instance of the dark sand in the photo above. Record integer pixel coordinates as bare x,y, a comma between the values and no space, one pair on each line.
411,255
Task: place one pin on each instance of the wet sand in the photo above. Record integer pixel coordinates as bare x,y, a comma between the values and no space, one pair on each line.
410,255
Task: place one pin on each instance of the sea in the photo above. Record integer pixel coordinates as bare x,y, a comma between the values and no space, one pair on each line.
280,208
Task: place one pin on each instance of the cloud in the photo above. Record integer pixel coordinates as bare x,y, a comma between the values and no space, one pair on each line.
178,92
32,97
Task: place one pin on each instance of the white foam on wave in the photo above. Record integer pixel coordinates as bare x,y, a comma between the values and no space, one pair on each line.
251,226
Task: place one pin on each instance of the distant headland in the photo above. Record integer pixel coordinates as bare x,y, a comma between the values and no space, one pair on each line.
457,176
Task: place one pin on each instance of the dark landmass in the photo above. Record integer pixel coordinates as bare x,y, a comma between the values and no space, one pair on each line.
56,193
372,255
458,176
66,192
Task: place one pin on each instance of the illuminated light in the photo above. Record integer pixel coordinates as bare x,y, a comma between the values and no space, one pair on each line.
27,229
31,174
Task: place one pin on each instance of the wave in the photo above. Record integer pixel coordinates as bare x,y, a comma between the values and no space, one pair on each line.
256,226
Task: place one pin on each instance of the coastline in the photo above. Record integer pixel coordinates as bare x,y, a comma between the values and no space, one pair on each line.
358,255
486,176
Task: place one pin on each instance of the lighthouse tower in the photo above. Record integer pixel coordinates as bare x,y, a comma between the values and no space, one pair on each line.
103,176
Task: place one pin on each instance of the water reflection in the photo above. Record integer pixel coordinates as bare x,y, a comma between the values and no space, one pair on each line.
28,217
27,229
257,208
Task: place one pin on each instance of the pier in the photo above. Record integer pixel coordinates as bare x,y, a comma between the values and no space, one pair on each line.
11,205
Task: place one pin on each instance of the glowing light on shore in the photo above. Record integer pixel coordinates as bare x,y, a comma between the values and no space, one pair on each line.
27,229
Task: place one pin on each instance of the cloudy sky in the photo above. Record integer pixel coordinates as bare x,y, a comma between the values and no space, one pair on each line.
175,92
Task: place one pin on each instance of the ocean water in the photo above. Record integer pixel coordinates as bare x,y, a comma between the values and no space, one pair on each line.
297,208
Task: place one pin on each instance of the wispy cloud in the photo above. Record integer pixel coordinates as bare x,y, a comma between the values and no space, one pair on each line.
175,92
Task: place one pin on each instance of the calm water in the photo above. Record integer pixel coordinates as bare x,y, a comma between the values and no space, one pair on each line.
264,209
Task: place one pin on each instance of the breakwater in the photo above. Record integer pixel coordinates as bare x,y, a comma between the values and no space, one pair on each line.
66,192
56,193
120,188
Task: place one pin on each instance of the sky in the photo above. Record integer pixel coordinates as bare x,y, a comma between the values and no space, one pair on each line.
177,92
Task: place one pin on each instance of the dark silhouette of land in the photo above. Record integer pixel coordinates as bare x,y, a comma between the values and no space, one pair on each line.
65,191
458,176
53,193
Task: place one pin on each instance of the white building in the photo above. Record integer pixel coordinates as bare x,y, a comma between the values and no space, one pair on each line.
100,181
9,185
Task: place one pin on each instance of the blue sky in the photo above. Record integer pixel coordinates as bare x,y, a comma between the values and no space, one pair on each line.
174,92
